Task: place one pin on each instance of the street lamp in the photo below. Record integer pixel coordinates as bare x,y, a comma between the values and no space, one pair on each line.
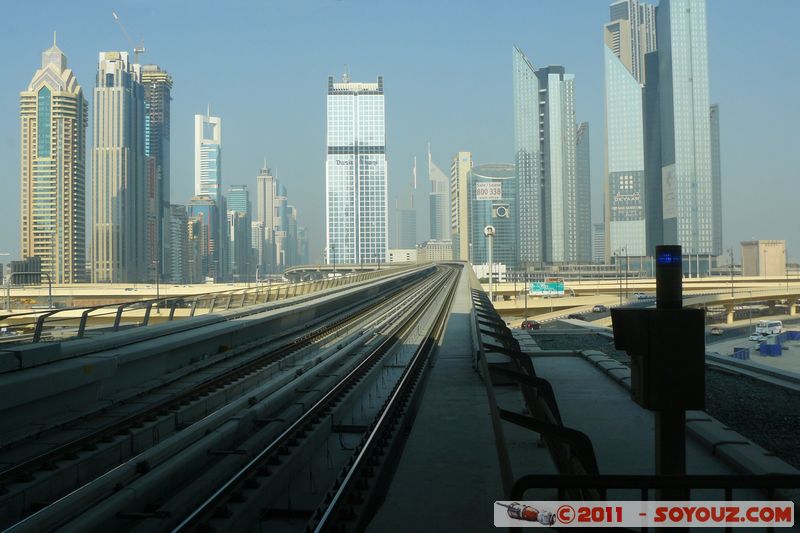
730,251
157,263
627,264
489,231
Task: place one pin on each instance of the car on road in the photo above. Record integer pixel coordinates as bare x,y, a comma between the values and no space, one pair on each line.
716,330
530,324
754,337
576,316
641,296
599,309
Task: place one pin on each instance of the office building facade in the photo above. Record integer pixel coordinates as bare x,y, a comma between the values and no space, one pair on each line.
119,253
493,202
239,220
157,85
628,37
204,217
528,159
356,173
176,262
265,216
583,194
405,232
460,166
439,201
53,122
686,155
549,191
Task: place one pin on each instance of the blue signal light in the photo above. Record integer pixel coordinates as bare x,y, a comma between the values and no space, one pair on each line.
669,258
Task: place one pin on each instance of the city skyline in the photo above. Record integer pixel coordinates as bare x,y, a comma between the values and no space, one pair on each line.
307,176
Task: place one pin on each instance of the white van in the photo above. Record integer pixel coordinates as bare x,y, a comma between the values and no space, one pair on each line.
769,327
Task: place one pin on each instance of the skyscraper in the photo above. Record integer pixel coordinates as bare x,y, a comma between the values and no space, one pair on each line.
157,88
405,227
53,120
528,159
208,182
598,243
545,156
439,201
280,226
686,158
628,37
583,200
118,172
302,245
265,209
355,173
492,201
460,166
176,262
208,156
239,228
204,220
716,179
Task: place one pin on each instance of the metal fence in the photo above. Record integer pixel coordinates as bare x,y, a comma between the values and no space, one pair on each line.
80,322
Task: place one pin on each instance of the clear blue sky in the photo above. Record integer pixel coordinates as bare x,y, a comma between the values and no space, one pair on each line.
263,67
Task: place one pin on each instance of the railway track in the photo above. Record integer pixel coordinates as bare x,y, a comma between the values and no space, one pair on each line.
318,351
112,447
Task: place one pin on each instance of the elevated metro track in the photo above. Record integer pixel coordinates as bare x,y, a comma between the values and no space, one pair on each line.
187,403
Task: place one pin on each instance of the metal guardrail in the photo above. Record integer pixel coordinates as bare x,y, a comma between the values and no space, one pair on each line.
35,329
571,450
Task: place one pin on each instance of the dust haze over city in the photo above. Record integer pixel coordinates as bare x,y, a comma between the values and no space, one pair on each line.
263,69
368,265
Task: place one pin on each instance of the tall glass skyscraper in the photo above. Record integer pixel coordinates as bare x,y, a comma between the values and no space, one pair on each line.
528,159
439,201
686,152
157,88
208,182
628,37
53,120
460,166
208,156
119,252
239,228
583,194
549,194
355,173
493,202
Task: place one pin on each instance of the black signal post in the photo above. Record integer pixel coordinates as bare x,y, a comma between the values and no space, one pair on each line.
667,349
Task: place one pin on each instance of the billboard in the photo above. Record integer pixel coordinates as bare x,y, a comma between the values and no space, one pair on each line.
547,288
488,190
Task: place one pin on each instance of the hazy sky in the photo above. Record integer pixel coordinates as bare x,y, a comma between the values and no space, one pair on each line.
263,67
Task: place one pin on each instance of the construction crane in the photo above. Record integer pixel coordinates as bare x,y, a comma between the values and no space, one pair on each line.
136,50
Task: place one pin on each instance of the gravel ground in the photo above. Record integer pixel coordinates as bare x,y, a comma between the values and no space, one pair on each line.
766,414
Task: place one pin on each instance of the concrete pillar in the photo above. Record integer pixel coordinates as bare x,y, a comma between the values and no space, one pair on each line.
729,314
793,309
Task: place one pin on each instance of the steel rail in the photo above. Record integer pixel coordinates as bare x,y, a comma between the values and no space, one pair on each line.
402,391
205,510
23,469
